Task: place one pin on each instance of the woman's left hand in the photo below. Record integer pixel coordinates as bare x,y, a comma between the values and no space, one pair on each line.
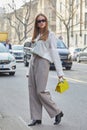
61,79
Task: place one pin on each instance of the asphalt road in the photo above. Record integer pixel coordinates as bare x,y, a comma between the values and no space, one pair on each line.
14,98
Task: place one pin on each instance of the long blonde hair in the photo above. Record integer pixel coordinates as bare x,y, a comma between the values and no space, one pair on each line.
36,29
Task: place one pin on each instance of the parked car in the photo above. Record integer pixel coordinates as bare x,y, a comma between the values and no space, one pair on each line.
7,61
65,56
82,55
63,51
74,53
17,51
27,48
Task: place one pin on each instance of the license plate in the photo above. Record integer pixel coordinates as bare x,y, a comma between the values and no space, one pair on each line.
1,66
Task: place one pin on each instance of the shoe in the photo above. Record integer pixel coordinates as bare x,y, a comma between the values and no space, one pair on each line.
58,118
34,122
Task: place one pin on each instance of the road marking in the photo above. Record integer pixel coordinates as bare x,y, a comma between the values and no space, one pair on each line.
76,80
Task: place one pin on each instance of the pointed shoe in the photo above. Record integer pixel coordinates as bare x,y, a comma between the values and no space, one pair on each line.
35,122
58,118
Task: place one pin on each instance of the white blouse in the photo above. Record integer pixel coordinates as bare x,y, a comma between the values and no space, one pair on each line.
48,50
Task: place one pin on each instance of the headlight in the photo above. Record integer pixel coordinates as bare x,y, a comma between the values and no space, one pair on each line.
12,59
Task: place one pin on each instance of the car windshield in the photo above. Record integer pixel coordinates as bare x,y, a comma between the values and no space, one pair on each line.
3,49
85,49
60,44
27,44
17,47
78,49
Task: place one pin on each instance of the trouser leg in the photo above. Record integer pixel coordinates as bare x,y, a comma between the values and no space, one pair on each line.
35,104
41,76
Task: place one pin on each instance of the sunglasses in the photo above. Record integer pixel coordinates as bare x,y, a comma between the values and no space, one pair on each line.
42,20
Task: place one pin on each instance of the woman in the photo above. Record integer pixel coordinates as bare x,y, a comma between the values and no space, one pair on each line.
43,53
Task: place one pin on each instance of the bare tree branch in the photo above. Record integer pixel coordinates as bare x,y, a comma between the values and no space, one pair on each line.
71,9
21,20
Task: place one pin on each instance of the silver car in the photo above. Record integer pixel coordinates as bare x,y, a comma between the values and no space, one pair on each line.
17,51
82,55
7,61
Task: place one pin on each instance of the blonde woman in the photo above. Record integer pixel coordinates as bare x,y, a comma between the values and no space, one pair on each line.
43,53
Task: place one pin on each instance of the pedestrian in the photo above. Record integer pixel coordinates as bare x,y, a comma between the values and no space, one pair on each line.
8,45
43,52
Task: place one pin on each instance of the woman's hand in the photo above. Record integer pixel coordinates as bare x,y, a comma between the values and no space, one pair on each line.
61,79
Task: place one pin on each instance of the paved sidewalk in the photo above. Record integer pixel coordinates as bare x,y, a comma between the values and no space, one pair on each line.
12,123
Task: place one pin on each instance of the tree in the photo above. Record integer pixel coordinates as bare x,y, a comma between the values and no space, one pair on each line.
69,8
21,23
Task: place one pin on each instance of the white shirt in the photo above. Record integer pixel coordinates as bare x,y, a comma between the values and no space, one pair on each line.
48,50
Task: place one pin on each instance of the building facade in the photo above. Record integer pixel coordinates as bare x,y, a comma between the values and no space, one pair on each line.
67,18
73,14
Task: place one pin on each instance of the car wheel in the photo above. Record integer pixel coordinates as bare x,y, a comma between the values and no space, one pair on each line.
25,62
11,73
68,68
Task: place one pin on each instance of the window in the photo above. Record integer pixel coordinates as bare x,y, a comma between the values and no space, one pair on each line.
85,39
60,7
60,24
53,28
76,43
40,2
70,2
77,18
53,16
86,3
77,3
85,20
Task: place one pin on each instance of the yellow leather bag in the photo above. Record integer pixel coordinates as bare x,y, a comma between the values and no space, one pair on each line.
62,86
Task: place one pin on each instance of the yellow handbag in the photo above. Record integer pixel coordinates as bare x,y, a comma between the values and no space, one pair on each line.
62,86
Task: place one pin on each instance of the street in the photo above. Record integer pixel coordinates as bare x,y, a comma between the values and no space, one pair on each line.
14,97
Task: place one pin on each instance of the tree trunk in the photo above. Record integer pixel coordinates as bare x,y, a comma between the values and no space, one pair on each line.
25,32
68,37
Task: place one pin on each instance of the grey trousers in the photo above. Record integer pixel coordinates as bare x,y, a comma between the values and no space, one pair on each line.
38,96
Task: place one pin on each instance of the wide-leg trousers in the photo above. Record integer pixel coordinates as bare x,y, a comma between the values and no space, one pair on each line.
38,95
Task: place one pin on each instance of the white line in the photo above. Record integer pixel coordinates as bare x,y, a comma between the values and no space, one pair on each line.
76,80
21,119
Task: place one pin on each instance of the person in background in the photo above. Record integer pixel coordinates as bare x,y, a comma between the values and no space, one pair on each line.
44,52
8,45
